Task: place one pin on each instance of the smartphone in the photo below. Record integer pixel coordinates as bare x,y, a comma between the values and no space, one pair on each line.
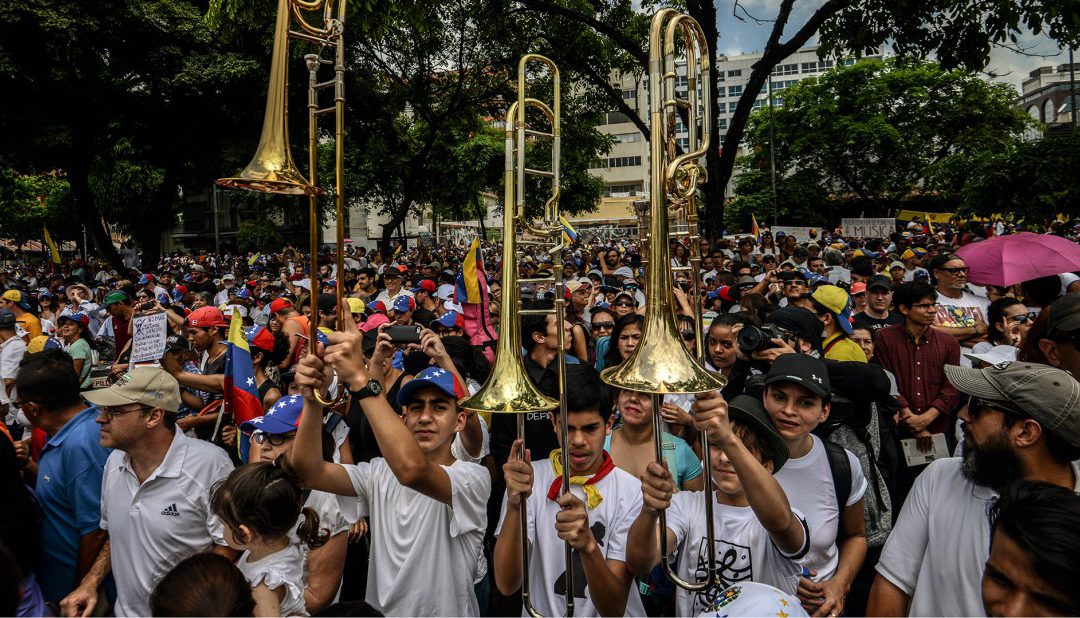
404,334
146,306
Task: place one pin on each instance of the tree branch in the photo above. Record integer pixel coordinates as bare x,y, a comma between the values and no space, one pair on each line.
622,40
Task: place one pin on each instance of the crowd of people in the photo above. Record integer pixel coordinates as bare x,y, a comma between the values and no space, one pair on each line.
891,437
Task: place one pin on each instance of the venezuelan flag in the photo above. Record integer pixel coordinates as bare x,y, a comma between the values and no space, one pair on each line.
570,235
54,253
241,393
472,282
253,259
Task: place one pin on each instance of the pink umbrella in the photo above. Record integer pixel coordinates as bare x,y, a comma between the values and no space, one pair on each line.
1006,260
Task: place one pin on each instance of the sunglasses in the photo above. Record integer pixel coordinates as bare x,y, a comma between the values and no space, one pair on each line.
962,270
275,439
978,403
1024,318
687,335
600,325
859,295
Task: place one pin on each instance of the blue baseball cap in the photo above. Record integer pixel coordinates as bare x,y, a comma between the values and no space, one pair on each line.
283,417
450,319
404,303
436,377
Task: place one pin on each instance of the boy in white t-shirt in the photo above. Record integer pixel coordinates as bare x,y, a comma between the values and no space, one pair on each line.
427,510
759,537
593,517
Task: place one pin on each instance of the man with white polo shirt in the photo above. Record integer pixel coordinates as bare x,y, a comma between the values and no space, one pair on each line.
393,280
155,494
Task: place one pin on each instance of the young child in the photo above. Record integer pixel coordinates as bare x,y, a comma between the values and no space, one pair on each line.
427,510
594,517
758,535
259,505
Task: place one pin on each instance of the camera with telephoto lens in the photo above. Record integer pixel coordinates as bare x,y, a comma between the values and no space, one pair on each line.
755,339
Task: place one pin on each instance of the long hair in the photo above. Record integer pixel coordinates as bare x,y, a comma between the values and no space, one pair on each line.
268,499
613,358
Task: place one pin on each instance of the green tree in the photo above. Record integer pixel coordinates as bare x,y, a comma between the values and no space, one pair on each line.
1034,181
959,33
879,132
29,203
258,236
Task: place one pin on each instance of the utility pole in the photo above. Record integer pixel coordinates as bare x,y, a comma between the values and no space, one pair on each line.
772,155
217,238
1072,90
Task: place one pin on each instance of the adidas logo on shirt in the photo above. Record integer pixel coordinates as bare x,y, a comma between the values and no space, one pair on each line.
171,510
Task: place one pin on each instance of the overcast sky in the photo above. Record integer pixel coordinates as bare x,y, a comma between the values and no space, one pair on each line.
745,36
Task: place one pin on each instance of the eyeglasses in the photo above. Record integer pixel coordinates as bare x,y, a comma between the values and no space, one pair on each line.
924,306
602,325
110,412
1023,318
960,270
275,439
978,403
625,303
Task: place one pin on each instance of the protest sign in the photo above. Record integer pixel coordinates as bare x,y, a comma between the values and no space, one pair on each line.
149,336
868,228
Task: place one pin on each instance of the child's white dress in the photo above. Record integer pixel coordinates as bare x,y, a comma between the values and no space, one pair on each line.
281,568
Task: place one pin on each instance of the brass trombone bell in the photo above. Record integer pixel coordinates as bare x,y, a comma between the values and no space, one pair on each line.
272,169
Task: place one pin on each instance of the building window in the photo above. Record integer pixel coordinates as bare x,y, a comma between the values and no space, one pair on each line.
809,67
735,73
1033,111
826,64
681,81
622,162
616,118
684,143
786,69
721,123
731,106
734,91
629,94
622,190
627,138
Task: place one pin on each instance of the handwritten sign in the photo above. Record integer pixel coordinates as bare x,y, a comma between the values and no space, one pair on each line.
802,234
868,228
149,336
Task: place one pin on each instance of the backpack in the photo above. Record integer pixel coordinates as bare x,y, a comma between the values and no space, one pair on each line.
840,466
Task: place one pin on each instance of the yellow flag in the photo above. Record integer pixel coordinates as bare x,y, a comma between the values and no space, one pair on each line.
54,253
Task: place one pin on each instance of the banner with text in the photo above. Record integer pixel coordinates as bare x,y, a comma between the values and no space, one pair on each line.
802,234
149,336
868,228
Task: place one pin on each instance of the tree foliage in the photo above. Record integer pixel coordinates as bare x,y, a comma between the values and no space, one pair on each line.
29,203
1034,180
878,132
258,236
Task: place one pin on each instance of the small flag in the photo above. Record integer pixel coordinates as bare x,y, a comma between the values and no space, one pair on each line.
253,259
569,233
397,251
241,393
54,253
471,293
754,229
929,225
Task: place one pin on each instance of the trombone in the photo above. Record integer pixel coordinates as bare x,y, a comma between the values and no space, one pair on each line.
272,169
660,364
509,390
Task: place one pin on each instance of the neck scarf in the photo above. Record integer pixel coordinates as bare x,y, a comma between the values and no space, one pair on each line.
592,494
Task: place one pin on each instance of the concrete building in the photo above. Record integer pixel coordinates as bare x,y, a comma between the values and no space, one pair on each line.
1045,94
625,169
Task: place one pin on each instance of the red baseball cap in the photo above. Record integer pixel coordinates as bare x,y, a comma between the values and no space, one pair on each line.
278,304
206,317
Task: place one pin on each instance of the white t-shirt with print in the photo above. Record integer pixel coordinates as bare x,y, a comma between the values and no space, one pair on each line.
961,313
939,546
610,523
423,552
281,569
807,481
744,550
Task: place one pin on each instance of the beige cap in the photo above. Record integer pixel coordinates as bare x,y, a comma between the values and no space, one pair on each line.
150,386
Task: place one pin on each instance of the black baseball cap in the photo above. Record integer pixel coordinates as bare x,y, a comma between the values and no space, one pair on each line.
941,259
879,281
803,370
751,412
800,321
